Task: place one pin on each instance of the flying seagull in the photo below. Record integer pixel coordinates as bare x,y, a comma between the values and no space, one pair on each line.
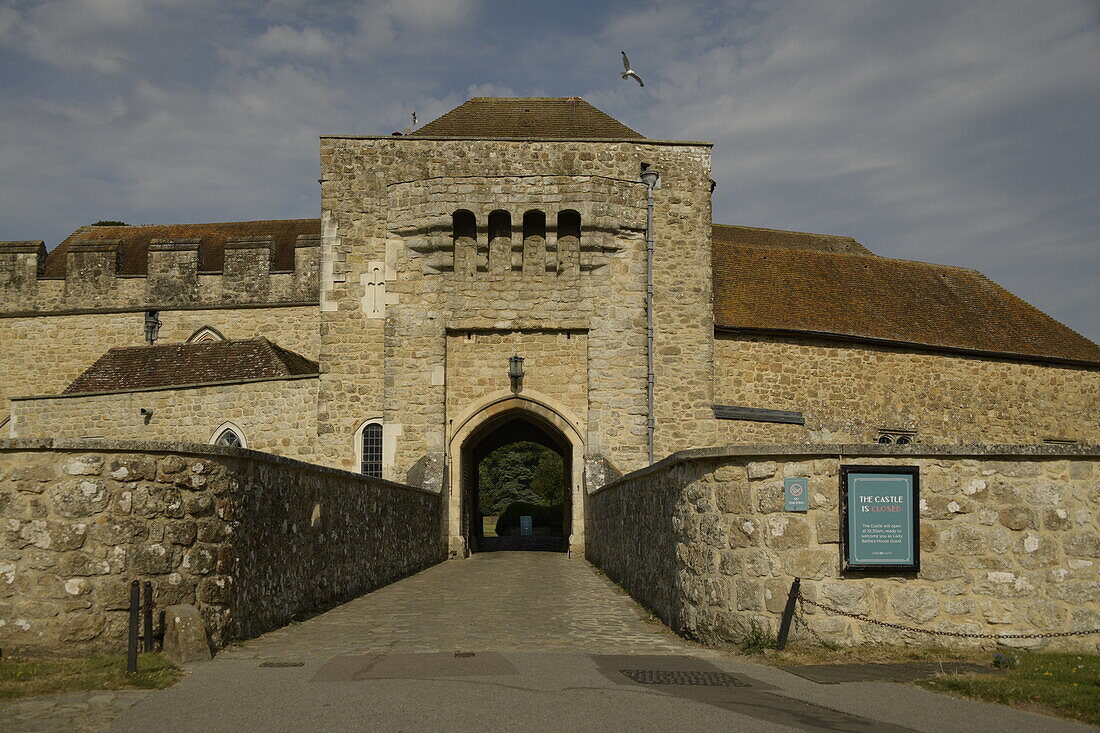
629,71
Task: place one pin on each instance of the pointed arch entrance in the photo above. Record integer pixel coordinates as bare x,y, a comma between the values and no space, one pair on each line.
499,421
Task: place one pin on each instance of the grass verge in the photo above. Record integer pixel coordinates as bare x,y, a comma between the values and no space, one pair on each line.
44,676
1067,685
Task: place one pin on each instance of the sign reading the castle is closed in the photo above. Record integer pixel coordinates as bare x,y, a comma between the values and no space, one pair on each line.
880,512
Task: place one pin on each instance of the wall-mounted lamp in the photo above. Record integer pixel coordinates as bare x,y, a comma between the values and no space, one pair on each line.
515,370
147,413
152,326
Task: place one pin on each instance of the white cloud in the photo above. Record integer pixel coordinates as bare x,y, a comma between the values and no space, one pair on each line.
963,133
283,40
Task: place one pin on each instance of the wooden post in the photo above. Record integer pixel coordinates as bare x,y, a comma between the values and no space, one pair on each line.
788,615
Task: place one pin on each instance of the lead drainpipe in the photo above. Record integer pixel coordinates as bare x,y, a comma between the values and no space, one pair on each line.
649,178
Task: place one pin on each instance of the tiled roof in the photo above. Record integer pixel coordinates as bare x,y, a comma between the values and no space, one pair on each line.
868,297
134,242
757,237
179,365
567,118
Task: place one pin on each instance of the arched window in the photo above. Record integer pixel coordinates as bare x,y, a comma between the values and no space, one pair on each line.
463,224
230,435
368,444
500,225
534,224
206,334
569,224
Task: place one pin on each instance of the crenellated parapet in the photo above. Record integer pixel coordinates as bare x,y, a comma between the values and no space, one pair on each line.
566,225
105,274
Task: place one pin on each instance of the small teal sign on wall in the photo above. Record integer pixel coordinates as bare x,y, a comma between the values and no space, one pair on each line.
796,494
880,506
526,526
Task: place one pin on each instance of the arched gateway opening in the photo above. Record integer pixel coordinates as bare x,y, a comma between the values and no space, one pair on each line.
528,427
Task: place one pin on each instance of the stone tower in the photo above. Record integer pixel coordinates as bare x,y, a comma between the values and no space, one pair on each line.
512,227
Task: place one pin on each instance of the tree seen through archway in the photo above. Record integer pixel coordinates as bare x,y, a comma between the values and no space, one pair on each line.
521,478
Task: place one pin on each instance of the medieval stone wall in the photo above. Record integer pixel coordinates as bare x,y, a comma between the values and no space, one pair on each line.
43,354
251,539
1009,543
395,282
555,363
271,415
93,282
847,392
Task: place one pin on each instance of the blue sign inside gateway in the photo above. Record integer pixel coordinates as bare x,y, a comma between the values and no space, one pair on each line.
881,517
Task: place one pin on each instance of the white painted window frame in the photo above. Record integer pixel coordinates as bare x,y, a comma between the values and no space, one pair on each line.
228,425
357,443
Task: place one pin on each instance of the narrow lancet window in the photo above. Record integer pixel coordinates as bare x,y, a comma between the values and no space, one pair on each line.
372,450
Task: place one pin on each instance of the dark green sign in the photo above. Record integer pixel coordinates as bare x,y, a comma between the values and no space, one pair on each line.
796,494
881,516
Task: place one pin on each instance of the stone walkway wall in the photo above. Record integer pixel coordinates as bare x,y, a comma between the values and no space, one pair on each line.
1009,539
253,540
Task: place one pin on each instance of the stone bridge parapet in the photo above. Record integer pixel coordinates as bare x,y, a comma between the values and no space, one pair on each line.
253,540
1009,543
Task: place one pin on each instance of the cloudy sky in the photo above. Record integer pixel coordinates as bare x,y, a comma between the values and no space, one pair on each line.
965,133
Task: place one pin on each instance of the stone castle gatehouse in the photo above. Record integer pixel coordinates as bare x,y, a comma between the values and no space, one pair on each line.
379,338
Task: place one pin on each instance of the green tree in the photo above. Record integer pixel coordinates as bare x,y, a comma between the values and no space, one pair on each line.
110,223
520,471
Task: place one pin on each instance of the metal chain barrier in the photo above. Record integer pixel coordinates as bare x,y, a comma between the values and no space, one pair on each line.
861,617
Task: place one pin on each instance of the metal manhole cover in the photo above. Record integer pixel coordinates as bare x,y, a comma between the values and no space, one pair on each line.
282,664
682,677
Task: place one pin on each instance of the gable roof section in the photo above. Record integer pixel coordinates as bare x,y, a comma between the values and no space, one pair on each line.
865,297
181,365
566,118
134,242
758,237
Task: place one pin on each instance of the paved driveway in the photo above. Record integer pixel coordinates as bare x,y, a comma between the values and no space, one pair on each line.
524,642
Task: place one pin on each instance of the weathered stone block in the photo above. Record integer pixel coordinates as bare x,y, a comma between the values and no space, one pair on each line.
786,532
750,595
775,594
78,563
150,559
157,500
769,497
847,597
827,525
941,567
733,496
82,498
1057,519
1082,544
132,468
216,589
744,532
185,635
119,531
181,532
88,465
963,540
915,603
198,561
762,469
814,564
1018,518
81,627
